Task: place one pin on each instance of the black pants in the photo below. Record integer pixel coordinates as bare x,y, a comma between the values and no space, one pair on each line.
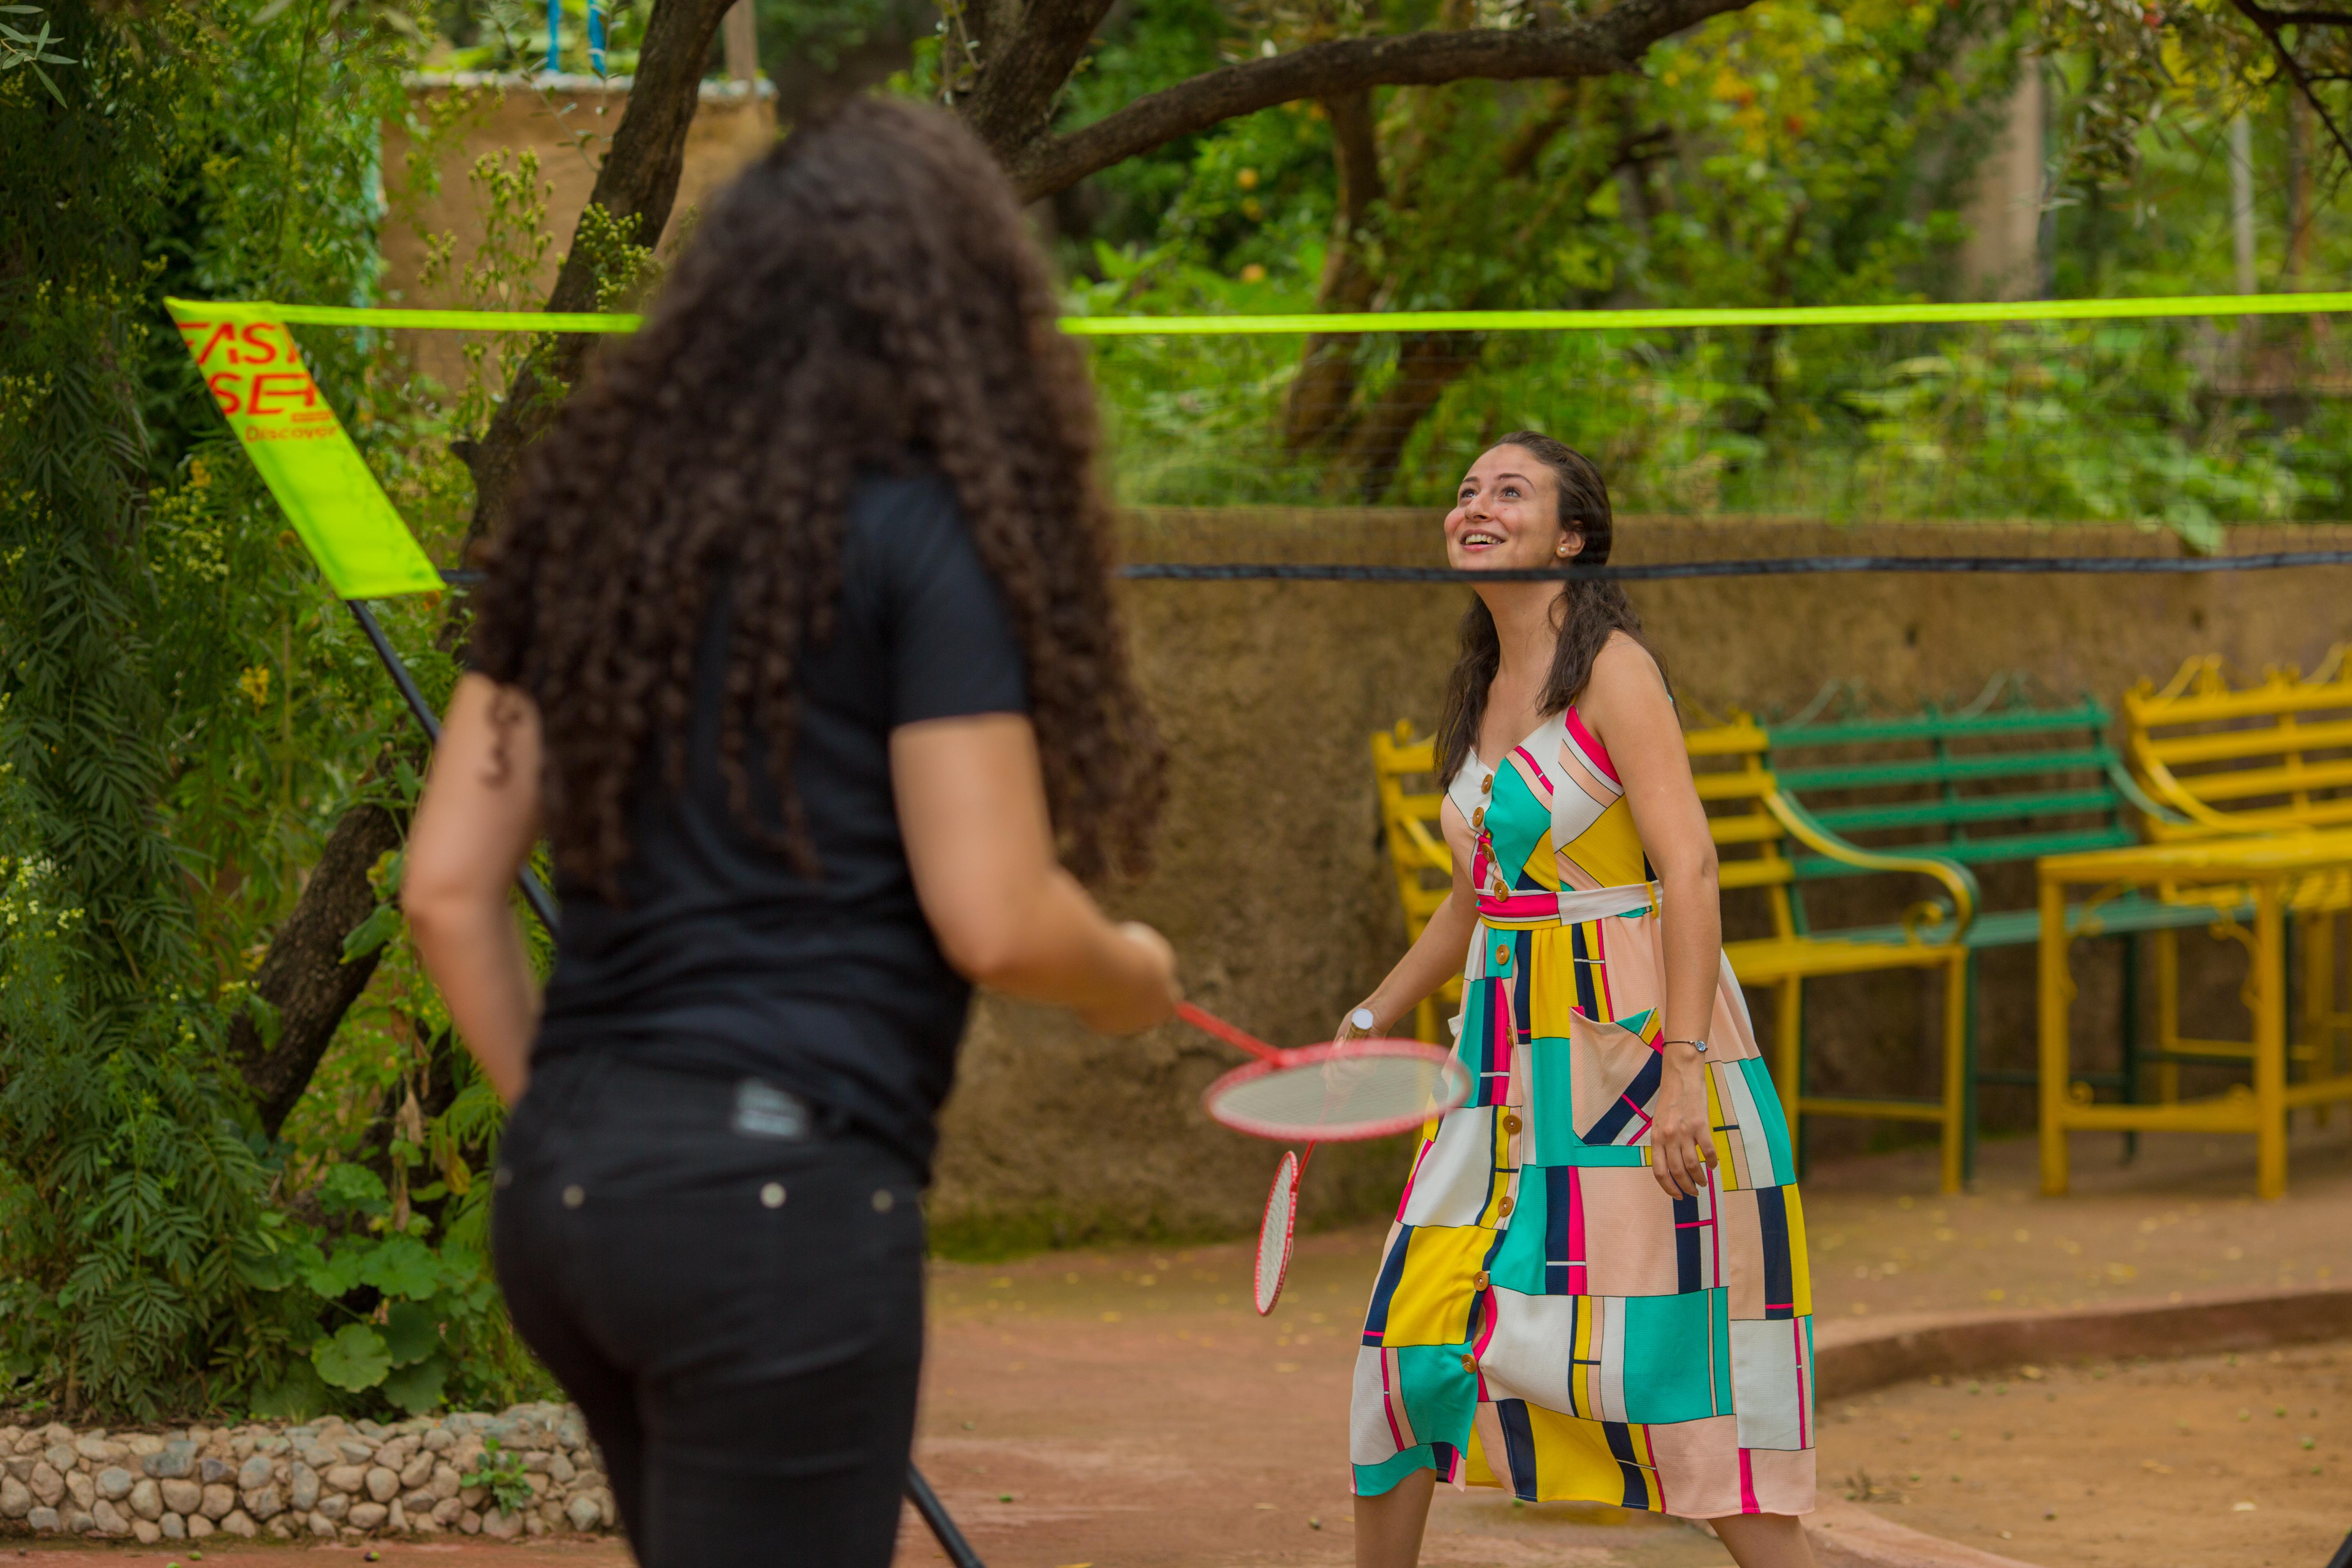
734,1298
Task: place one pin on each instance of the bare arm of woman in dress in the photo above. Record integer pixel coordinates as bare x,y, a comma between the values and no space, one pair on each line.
1434,958
971,807
1626,705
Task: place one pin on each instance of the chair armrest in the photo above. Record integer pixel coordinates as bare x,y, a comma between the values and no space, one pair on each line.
2246,822
1957,878
2141,801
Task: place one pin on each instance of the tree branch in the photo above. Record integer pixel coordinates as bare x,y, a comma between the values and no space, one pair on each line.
2264,17
1022,76
1610,42
638,180
2268,22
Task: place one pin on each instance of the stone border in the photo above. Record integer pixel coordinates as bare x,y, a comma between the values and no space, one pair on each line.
328,1478
1847,1535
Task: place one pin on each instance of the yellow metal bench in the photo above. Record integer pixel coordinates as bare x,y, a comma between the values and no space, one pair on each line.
1751,821
2268,758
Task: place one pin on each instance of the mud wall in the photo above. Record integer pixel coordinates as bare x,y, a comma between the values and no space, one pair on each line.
1274,885
457,121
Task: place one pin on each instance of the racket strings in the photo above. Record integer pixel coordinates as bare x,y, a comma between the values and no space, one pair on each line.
1326,1097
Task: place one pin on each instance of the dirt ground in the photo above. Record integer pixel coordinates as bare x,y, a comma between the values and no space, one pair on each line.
1127,1409
2239,1460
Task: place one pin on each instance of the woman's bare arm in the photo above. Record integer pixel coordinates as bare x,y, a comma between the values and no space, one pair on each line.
474,829
1437,955
971,807
1627,707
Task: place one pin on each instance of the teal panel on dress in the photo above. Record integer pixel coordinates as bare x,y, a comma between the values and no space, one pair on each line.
1439,1396
1517,1262
1767,1111
1556,1140
1719,1327
1665,1379
1552,1087
1373,1481
1516,820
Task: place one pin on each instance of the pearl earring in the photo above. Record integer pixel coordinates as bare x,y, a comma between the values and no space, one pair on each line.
1563,550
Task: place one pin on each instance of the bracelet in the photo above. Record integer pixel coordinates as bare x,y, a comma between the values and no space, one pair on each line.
1698,1046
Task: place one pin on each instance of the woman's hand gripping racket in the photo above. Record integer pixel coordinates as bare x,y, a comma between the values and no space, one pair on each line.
1347,1090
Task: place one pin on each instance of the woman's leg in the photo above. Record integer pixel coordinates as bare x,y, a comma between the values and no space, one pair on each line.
1765,1540
1389,1527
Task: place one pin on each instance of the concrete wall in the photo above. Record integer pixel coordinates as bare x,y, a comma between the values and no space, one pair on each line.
1273,886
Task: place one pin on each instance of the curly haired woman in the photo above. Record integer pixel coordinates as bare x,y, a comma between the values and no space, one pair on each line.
799,647
1596,1285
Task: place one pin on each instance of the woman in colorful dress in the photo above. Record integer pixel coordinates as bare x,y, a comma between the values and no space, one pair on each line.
1596,1285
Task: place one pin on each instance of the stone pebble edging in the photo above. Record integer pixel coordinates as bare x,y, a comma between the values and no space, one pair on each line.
328,1478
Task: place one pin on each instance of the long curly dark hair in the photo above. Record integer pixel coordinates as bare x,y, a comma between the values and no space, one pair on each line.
863,296
1587,612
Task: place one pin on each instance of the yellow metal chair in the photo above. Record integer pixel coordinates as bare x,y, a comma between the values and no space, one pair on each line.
2271,758
1751,821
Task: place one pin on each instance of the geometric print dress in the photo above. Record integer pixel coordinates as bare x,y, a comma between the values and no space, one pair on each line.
1545,1318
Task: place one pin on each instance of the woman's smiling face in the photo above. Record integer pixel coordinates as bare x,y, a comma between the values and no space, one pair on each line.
1505,515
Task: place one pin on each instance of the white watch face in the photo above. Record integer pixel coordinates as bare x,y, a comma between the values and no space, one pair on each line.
1362,1019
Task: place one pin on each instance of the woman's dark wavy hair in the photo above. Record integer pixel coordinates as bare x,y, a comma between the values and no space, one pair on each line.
1587,612
863,296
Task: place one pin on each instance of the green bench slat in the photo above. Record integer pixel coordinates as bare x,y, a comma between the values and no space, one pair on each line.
1970,851
1942,770
1969,808
1939,727
2022,928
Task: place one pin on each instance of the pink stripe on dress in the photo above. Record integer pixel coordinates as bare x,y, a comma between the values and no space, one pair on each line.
1747,1503
1592,748
1535,767
1804,1426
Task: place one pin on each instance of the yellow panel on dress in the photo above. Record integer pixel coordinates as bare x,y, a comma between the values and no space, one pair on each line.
1431,1303
1573,1458
1609,851
1729,1154
1801,1270
1551,980
1542,868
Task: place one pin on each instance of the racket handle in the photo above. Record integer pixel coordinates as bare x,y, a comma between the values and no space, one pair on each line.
1210,1024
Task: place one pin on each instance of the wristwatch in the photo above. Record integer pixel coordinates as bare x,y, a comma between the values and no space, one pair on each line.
1698,1046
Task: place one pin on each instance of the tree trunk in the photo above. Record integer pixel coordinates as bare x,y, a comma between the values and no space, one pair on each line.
1317,407
637,185
1427,363
303,976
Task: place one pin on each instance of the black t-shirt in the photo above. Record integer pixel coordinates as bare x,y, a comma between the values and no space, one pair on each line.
722,958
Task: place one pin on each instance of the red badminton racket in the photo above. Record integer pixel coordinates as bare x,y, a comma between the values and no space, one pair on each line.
1349,1088
1276,1231
1330,1093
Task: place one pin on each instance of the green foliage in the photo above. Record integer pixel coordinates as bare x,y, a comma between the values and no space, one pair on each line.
1791,153
501,1474
30,51
184,715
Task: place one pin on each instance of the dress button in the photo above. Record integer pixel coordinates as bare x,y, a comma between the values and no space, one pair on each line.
1504,1208
1481,1282
1470,1365
1511,1124
1478,817
1502,953
1486,784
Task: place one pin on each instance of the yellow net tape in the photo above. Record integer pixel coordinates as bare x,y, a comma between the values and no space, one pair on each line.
1423,320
